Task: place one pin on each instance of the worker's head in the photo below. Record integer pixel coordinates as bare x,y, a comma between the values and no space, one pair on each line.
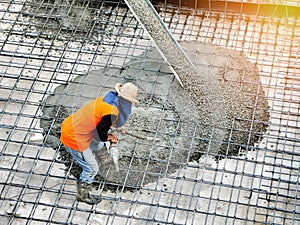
128,91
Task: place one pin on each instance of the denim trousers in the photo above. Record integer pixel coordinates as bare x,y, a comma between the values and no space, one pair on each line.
88,163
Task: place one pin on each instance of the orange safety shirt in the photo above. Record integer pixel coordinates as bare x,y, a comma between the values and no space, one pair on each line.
77,130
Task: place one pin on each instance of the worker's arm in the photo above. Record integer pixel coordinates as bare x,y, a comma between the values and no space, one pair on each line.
103,127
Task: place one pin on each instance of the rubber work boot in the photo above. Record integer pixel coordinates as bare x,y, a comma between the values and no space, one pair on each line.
83,194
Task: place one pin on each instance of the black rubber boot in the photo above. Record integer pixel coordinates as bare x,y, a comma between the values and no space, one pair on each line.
83,194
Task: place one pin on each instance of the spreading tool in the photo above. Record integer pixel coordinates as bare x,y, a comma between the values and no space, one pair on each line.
114,153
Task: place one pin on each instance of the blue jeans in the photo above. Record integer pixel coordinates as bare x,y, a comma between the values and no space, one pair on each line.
88,163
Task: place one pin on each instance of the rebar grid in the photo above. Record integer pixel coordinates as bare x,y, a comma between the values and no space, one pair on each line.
40,53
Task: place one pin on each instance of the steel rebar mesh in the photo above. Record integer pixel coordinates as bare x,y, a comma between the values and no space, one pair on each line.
56,55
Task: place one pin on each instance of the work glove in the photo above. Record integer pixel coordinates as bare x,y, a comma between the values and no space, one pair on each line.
107,145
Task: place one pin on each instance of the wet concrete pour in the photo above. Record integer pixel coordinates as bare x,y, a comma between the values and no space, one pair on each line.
167,112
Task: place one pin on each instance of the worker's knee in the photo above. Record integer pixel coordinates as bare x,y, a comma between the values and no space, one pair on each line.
90,162
95,169
92,166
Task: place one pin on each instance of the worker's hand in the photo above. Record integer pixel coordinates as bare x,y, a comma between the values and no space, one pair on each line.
112,138
122,130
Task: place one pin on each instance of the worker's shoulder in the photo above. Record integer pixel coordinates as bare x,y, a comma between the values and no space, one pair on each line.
105,106
100,98
100,101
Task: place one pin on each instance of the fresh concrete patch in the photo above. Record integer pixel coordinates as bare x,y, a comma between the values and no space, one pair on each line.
168,112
